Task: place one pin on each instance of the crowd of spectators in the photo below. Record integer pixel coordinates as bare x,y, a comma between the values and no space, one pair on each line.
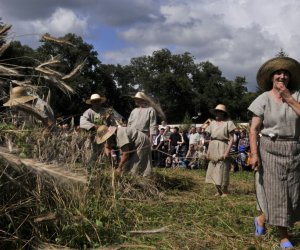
180,147
187,147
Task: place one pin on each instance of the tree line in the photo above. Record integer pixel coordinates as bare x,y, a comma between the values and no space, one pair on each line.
181,86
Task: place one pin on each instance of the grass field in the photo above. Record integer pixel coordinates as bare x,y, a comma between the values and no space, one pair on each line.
174,209
191,217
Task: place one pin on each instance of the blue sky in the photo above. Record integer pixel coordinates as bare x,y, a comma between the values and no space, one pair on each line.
235,35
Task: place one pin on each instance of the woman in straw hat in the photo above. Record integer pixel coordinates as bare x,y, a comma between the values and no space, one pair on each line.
275,155
143,118
98,115
135,146
219,147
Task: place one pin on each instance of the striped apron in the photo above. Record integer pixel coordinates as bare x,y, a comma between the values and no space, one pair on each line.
278,181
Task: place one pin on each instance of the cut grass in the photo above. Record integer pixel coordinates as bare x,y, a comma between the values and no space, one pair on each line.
196,219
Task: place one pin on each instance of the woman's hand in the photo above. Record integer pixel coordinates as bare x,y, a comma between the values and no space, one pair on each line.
283,91
255,162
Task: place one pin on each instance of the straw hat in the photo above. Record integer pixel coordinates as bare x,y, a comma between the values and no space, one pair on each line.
96,97
219,107
265,72
18,95
104,132
141,96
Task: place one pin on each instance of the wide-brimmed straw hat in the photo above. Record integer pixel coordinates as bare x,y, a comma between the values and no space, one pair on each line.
104,132
265,72
141,96
219,107
96,97
19,95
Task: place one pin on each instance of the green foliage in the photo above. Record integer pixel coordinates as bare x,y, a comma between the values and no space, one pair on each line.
176,81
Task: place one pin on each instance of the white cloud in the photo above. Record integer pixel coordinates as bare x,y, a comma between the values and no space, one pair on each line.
235,35
62,21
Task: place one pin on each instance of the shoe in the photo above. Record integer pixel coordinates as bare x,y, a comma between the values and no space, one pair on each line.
286,245
258,229
224,195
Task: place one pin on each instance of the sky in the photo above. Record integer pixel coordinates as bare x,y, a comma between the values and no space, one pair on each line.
236,35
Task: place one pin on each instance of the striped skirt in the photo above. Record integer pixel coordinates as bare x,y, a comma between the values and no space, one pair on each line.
278,181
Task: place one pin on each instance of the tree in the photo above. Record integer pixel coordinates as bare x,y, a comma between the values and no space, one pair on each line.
281,53
166,78
72,52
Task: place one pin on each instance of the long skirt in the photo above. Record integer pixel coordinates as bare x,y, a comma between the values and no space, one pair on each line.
218,172
278,181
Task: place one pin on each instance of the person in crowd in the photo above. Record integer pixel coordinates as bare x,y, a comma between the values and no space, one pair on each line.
175,139
275,155
98,115
192,158
21,101
135,146
244,139
159,149
143,117
183,143
167,134
236,138
221,141
194,139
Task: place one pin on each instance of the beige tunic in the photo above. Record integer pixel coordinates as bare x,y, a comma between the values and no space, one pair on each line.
139,162
218,170
143,119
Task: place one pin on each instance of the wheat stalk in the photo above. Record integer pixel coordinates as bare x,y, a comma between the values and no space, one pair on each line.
57,40
4,29
8,71
75,70
53,60
60,84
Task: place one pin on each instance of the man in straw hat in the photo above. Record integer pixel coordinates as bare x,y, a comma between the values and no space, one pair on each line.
20,100
275,155
98,115
135,146
143,118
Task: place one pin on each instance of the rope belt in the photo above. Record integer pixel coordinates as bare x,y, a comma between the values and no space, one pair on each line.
216,139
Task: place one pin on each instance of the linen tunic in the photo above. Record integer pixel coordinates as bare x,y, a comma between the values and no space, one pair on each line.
90,118
218,170
278,179
143,119
139,162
